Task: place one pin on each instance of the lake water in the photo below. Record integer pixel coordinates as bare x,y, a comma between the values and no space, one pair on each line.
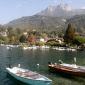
30,58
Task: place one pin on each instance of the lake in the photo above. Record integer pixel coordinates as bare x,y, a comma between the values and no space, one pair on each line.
30,58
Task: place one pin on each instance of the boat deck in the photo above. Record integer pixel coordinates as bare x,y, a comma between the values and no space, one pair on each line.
28,74
74,67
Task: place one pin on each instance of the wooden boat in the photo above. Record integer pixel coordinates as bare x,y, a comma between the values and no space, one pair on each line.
28,77
69,69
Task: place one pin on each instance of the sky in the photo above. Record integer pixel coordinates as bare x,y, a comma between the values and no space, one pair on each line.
13,9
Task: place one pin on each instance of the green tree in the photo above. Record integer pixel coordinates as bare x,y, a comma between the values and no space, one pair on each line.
79,40
19,31
2,28
11,32
60,35
69,35
1,42
4,39
23,38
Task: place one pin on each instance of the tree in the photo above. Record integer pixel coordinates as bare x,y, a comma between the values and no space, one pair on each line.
4,39
69,35
2,28
23,38
79,40
60,35
11,32
19,31
31,39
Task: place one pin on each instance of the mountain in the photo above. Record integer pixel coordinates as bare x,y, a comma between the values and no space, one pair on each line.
78,22
62,10
38,22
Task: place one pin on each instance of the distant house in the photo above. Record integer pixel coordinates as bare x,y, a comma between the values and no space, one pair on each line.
39,39
3,34
60,40
25,33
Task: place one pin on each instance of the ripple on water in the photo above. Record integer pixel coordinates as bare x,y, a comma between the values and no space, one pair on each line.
30,58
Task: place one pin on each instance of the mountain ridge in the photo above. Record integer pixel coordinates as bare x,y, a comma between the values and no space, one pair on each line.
48,19
38,22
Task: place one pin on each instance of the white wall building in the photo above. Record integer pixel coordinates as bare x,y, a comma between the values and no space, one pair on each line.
40,40
3,34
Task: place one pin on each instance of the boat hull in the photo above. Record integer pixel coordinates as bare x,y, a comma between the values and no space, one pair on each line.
66,70
29,81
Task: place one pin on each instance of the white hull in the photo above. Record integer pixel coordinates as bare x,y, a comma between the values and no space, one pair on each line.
33,80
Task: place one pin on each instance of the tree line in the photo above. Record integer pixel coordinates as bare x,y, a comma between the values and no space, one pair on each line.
17,36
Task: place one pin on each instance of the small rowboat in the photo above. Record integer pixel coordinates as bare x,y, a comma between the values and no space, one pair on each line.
28,77
69,69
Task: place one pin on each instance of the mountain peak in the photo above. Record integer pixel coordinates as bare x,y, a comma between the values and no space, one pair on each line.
64,7
58,10
50,8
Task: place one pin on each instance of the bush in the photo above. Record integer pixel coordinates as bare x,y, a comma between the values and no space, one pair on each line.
51,43
40,43
79,40
1,42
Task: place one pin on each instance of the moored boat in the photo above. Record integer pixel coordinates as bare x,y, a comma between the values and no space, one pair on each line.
69,69
28,77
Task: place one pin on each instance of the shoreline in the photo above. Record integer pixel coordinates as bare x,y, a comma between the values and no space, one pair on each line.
25,47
